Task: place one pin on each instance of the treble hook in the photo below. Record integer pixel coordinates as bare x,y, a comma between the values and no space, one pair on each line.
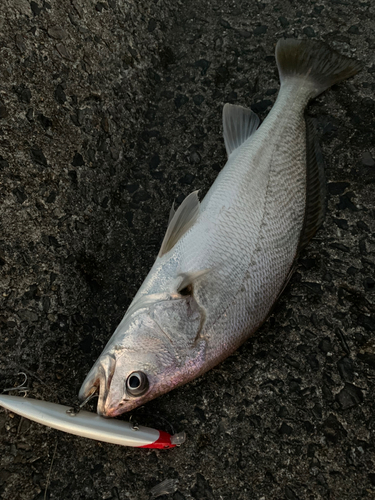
134,424
76,409
21,387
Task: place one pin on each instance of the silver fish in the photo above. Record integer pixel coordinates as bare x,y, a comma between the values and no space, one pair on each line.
224,262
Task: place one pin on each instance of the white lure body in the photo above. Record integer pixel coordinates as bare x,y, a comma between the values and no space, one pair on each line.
87,424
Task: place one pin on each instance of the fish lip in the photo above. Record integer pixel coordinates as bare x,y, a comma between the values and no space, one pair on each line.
117,409
99,379
110,412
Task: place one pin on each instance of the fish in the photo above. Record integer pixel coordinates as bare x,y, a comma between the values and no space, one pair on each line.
225,260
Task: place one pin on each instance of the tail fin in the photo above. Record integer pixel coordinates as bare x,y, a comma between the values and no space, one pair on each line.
314,62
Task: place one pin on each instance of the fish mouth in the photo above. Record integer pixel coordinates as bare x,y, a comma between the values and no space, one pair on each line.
120,408
99,380
111,412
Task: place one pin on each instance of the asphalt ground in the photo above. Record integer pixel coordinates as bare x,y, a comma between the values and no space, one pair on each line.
109,111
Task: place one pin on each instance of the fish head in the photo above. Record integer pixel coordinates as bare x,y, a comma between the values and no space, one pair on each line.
153,351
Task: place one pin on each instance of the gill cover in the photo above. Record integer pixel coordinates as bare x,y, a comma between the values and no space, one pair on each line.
156,348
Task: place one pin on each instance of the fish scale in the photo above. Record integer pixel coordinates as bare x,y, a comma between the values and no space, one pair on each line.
224,262
269,228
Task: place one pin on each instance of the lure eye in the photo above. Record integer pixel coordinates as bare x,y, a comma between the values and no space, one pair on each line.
137,384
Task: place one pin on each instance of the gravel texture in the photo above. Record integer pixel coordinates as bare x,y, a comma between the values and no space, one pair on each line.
108,112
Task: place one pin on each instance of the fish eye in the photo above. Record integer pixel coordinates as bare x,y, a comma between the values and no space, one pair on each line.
137,384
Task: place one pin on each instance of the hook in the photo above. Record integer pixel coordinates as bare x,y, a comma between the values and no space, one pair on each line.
21,387
135,426
167,422
76,409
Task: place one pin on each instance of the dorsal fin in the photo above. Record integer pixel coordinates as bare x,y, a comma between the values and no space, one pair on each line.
315,185
171,213
184,217
238,124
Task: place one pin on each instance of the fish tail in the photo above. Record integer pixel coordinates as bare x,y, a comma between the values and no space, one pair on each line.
318,66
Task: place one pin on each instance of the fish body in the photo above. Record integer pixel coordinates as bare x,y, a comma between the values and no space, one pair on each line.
224,261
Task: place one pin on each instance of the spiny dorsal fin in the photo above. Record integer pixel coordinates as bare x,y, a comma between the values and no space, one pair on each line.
171,213
184,217
315,185
238,124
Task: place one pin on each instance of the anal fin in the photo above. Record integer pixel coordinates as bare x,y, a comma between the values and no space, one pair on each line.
315,185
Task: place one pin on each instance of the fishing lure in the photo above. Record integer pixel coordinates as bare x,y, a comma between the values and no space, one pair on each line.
90,425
